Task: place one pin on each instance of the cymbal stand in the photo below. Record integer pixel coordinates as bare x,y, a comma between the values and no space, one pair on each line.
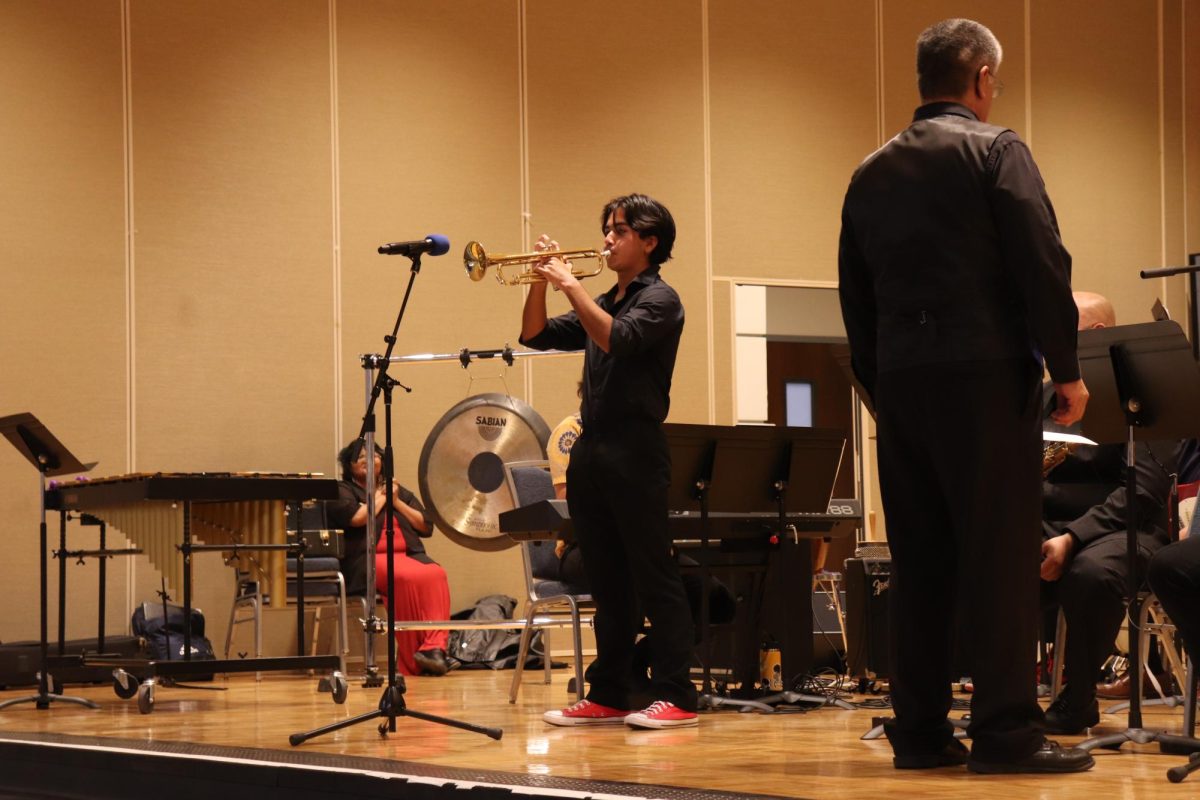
391,702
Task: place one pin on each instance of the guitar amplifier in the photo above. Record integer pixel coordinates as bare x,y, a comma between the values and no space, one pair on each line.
866,581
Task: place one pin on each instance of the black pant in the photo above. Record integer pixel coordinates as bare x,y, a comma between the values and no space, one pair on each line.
617,494
1175,578
959,467
1092,593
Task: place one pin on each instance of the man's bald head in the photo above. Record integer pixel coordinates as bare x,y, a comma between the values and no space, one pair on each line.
1094,311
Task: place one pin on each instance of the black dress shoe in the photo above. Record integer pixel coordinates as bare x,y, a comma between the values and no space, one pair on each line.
954,754
1049,758
432,662
1067,718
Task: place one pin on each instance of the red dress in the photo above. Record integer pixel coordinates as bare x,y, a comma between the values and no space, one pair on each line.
422,592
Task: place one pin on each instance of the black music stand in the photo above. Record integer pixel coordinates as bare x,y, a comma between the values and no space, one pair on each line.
391,702
752,470
50,458
1144,385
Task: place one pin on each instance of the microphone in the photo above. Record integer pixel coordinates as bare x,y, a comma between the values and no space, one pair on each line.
435,244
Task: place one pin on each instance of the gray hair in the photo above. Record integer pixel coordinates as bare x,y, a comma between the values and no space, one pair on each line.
950,53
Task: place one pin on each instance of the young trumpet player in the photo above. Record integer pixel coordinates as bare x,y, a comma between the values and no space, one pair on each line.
619,468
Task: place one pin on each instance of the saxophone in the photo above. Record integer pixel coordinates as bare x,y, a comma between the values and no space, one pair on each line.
1053,454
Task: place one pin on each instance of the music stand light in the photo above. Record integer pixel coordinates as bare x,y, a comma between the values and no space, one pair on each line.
51,459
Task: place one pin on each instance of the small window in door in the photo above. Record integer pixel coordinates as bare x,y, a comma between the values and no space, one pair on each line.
799,404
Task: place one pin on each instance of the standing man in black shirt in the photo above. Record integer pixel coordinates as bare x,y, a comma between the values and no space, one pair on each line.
955,286
620,467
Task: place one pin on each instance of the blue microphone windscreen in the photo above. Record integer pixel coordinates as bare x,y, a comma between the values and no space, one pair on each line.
441,245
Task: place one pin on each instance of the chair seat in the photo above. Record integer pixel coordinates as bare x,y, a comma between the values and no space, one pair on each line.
311,565
315,589
550,588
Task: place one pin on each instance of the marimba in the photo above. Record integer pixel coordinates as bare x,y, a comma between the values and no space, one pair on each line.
172,516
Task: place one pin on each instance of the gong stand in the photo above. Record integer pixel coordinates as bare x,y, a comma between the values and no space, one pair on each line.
391,703
372,625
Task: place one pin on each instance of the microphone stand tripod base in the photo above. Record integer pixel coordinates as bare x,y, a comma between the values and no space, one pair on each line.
392,705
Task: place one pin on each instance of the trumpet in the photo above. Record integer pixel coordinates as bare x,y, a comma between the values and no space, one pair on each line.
478,262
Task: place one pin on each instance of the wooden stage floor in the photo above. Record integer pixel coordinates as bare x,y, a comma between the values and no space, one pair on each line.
817,754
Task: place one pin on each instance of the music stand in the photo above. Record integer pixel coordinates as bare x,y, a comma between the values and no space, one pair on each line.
50,458
748,470
1144,385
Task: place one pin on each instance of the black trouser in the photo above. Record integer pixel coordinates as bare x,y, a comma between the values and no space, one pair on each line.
1175,578
959,467
617,494
1092,593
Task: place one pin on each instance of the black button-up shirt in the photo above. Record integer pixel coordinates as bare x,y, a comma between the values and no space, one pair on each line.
631,382
950,251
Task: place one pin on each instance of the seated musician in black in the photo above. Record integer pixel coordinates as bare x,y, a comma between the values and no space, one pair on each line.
1174,577
1085,567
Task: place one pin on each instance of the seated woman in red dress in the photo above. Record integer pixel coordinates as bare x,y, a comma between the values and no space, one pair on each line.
421,588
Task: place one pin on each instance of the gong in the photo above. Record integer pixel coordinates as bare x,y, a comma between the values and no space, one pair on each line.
461,470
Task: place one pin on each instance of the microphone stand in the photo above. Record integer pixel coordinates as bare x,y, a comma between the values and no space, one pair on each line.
391,703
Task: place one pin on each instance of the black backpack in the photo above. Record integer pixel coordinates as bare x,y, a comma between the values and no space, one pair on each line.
494,648
165,638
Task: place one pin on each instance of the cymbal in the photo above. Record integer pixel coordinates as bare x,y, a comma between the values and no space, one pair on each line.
461,469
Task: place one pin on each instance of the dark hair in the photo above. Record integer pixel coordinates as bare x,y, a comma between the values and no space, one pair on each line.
950,53
648,217
350,453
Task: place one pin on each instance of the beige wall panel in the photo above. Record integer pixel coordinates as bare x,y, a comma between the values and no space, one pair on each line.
63,277
903,21
1174,290
1191,80
233,244
792,116
1096,139
429,130
723,362
617,107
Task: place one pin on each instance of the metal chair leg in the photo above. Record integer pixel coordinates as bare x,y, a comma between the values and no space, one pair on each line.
1060,646
578,643
522,652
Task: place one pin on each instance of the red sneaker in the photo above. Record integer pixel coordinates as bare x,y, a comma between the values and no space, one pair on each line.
662,715
585,712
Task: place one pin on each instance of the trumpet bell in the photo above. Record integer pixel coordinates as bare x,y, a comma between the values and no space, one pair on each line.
475,260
